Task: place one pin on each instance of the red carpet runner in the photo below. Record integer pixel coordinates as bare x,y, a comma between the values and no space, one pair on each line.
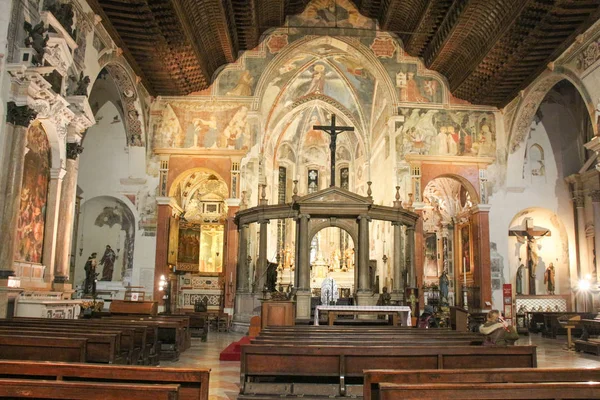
234,350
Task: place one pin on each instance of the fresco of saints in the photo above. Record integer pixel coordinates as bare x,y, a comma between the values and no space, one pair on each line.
237,133
442,141
205,132
244,85
486,145
313,137
413,92
452,141
317,84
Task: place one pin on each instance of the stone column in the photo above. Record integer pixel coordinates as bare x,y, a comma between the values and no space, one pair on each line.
66,218
242,272
363,253
595,195
303,269
410,256
582,251
398,260
51,228
261,265
18,120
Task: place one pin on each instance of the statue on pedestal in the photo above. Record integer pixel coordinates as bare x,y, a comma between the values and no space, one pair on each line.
89,285
444,284
519,283
549,278
385,299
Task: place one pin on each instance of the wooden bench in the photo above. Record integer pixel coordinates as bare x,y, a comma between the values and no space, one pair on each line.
465,391
193,382
395,341
42,348
42,389
102,347
133,307
133,338
372,378
323,370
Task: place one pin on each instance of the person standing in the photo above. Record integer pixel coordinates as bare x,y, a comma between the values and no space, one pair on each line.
108,263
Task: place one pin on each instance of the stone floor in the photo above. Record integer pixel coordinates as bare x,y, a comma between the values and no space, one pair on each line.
225,375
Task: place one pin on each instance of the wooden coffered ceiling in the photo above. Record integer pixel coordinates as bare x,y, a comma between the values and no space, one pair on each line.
488,49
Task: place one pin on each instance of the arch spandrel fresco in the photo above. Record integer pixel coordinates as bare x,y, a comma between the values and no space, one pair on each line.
368,78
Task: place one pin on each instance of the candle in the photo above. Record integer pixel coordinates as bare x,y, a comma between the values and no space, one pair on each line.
231,277
465,270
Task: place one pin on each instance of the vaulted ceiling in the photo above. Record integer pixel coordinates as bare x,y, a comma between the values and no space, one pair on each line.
488,49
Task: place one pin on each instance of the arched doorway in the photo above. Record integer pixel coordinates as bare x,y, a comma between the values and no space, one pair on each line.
448,242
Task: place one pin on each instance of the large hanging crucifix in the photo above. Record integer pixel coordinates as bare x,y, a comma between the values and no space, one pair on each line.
333,131
531,233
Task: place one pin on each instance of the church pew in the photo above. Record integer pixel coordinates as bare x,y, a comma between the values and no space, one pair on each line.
193,382
101,347
394,341
488,391
372,378
144,336
42,389
309,370
132,337
172,334
42,348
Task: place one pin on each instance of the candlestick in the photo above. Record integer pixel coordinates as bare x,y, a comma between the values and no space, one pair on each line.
465,270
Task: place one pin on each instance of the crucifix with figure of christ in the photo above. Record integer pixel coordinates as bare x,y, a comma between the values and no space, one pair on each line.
531,233
333,131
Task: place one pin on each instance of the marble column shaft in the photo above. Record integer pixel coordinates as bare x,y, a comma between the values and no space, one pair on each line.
596,206
261,265
398,257
303,266
243,272
17,140
65,221
410,256
363,253
51,227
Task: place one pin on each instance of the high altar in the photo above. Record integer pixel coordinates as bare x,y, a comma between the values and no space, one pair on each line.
331,207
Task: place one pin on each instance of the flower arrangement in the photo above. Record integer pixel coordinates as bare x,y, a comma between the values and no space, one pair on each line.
92,305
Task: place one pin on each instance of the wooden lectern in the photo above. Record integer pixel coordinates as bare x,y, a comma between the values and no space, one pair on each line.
278,313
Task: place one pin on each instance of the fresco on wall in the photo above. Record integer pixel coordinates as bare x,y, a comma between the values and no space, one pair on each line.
448,133
34,192
414,88
331,13
222,128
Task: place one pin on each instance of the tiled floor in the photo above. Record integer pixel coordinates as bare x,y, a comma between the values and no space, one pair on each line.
225,375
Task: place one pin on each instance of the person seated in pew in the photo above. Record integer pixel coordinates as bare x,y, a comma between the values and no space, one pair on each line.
427,319
497,332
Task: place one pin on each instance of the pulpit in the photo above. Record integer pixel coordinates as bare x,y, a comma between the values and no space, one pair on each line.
278,313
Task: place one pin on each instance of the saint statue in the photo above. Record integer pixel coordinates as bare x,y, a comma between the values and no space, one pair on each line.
89,285
108,261
385,299
444,284
412,300
520,273
549,278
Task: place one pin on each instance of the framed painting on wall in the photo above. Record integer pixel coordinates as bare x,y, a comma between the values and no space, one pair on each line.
466,258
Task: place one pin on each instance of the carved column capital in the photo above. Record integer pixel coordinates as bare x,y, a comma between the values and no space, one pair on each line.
19,115
595,195
74,149
579,200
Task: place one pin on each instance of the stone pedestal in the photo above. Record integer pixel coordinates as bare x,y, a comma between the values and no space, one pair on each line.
247,305
303,305
366,299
